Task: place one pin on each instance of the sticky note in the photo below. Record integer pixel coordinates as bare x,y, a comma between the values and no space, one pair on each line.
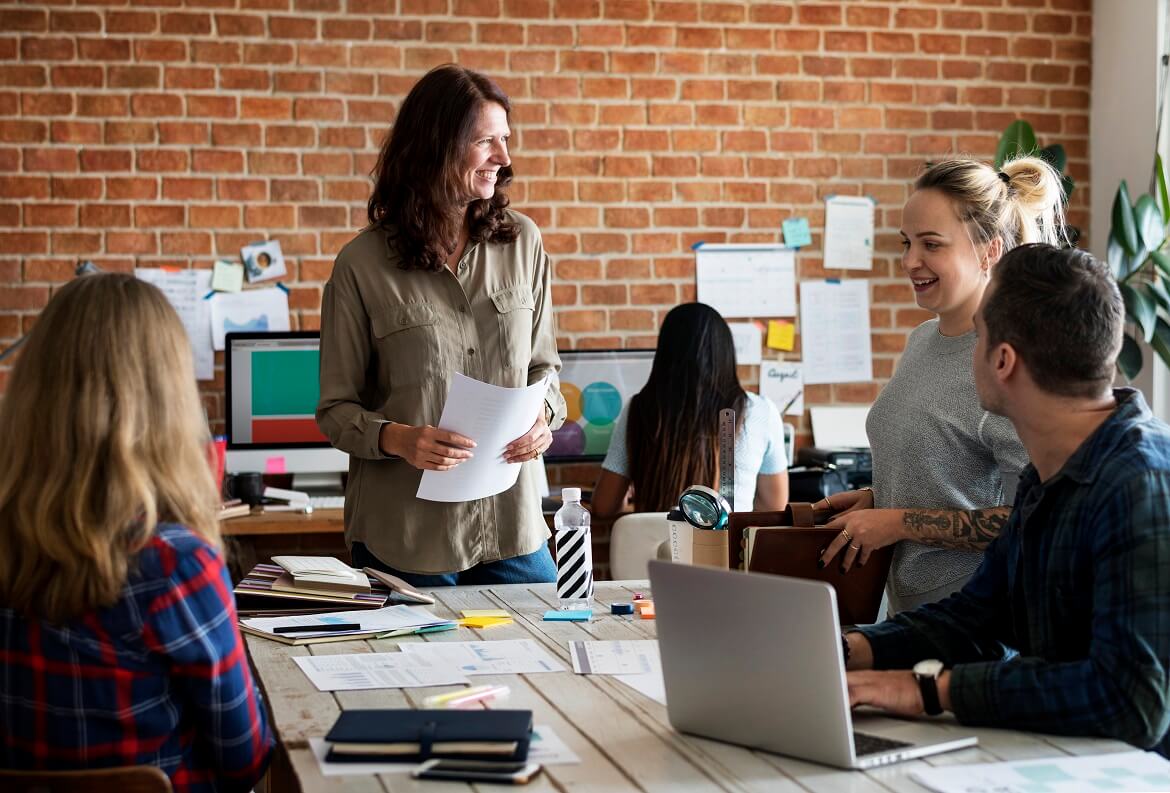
622,608
796,232
485,622
227,276
275,465
781,335
485,613
648,612
579,615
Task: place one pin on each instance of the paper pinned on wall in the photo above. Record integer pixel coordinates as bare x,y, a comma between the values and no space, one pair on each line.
249,310
834,331
781,335
185,290
748,339
796,232
227,276
783,383
849,233
746,280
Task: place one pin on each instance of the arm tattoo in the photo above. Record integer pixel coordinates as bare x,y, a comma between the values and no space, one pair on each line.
968,530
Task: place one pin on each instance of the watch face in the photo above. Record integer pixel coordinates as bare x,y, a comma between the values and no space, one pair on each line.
930,668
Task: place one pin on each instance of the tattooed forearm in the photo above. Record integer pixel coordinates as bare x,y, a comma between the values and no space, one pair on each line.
968,530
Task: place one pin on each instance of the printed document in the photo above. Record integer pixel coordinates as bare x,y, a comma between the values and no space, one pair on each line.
615,657
493,417
748,339
746,280
185,290
505,657
783,383
358,671
1119,771
249,310
849,233
382,620
834,331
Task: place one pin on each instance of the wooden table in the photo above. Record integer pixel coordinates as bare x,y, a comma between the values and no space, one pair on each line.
260,536
623,739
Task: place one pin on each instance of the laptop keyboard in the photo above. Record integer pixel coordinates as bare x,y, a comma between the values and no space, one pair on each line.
871,744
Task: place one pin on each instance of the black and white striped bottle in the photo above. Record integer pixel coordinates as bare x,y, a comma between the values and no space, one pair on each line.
574,552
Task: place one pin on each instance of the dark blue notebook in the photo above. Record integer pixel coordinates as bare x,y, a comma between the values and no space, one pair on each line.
413,735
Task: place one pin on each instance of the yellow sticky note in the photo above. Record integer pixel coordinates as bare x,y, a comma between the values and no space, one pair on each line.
485,613
484,622
781,335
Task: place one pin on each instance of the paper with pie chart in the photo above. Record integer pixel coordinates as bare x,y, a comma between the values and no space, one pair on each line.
596,386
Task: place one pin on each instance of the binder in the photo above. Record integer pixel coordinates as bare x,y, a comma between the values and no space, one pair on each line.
403,735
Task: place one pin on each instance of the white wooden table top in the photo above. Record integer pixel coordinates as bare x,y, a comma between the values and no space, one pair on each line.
624,740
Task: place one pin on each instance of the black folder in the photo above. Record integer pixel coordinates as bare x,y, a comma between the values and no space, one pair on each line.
402,735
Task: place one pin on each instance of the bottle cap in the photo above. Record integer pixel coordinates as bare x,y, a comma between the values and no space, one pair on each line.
570,494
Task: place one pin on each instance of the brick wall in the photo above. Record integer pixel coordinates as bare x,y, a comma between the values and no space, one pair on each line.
170,132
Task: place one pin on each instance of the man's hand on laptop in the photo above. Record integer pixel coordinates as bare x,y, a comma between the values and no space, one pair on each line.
896,692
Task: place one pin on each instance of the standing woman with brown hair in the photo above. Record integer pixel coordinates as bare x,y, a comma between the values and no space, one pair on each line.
117,623
445,279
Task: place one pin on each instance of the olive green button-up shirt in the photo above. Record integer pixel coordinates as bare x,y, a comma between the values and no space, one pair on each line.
390,341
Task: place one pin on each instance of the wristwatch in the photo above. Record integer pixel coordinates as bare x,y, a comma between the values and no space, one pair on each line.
926,673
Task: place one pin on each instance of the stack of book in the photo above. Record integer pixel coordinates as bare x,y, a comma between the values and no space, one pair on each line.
310,584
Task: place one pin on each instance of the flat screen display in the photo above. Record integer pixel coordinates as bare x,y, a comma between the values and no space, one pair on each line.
596,385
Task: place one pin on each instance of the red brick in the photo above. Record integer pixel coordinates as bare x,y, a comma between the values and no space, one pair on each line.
150,160
23,19
817,15
23,298
128,187
25,187
217,52
156,105
75,21
57,215
47,49
292,27
152,216
131,21
247,190
104,49
846,41
131,242
187,24
239,25
213,161
46,104
184,189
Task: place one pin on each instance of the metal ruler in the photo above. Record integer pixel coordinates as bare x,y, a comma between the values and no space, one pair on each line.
727,455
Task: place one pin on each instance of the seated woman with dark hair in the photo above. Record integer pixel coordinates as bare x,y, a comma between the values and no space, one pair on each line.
117,623
668,437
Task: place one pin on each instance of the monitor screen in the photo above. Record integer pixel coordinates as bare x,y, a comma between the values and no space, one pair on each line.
596,385
272,392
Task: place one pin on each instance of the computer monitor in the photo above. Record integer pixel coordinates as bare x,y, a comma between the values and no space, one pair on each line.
596,385
272,392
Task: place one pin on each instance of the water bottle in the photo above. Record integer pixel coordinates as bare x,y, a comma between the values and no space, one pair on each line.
574,552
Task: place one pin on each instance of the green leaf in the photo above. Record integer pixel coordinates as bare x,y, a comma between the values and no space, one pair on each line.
1124,228
1054,155
1066,186
1162,262
1018,139
1141,308
1159,292
1160,177
1129,361
1161,341
1115,255
1149,223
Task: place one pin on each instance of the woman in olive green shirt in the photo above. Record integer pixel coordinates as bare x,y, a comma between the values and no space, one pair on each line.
445,279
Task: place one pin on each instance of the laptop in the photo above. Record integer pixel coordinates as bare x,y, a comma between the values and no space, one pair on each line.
756,660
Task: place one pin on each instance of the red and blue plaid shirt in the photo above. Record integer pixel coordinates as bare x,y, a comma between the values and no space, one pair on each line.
159,678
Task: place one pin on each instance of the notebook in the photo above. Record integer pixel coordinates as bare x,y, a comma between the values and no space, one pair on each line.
413,735
323,573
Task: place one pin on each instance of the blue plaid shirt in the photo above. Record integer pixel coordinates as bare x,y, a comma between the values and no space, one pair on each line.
1079,584
159,678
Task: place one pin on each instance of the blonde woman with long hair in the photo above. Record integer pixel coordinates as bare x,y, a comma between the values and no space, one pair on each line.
117,623
945,469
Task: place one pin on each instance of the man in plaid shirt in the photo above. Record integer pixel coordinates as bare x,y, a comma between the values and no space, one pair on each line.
160,678
1078,583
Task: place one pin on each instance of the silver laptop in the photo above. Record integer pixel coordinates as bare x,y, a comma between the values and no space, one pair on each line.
756,660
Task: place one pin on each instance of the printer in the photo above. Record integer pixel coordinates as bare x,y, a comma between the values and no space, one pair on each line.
854,464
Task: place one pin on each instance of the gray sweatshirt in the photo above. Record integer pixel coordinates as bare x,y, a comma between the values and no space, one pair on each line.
934,447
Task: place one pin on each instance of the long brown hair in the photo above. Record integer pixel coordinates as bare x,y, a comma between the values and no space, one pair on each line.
672,430
104,437
419,194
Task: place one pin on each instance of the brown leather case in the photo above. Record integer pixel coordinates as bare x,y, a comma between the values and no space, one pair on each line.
790,544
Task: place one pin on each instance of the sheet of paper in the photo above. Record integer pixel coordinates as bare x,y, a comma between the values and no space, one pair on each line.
227,276
545,747
849,233
506,657
357,671
249,310
485,613
796,232
747,280
836,427
781,335
383,619
834,331
1120,771
615,657
648,684
783,383
185,290
493,417
748,340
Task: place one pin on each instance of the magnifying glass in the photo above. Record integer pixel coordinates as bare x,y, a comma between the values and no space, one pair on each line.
704,508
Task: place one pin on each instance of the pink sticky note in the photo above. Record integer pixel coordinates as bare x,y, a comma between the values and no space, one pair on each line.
274,465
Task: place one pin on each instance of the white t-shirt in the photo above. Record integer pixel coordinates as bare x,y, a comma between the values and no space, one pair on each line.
759,449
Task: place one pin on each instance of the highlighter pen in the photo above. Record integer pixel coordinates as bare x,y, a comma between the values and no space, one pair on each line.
466,696
324,627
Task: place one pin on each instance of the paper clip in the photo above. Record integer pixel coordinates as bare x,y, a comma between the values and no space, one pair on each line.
465,697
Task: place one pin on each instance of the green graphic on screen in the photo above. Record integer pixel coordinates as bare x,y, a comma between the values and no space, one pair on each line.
284,383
